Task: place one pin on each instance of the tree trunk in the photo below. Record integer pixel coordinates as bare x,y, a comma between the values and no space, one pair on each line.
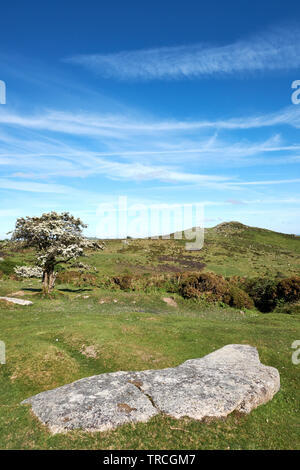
48,280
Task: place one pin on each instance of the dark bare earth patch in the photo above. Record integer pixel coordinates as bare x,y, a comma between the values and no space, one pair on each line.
187,263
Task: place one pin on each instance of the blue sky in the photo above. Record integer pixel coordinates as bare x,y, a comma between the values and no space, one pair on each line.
173,102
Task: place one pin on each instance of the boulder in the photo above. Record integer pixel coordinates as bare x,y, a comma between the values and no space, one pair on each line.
231,378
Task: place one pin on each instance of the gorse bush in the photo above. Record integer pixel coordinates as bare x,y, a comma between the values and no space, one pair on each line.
130,282
77,278
289,308
124,282
268,293
214,288
263,291
289,289
194,285
239,298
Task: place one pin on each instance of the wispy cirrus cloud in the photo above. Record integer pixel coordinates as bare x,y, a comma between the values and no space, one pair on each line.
278,49
32,186
267,182
124,148
122,126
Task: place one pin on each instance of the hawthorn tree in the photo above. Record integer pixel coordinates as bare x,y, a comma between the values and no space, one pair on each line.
57,238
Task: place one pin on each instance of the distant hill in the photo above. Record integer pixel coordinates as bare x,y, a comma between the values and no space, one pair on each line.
234,227
230,248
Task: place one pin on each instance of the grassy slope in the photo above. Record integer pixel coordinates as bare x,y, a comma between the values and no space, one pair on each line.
48,345
232,249
229,249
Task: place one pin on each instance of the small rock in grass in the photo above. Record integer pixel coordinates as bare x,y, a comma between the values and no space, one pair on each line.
89,351
170,301
16,301
20,293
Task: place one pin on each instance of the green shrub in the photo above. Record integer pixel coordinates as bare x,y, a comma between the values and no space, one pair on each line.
77,278
214,286
124,282
288,308
263,292
289,289
240,298
189,292
7,267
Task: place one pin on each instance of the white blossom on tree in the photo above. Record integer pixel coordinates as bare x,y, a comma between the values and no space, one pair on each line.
57,238
29,271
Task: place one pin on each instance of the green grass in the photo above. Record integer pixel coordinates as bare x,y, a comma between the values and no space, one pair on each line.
59,340
46,345
232,249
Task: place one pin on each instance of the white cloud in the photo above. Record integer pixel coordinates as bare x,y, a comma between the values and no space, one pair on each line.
275,50
32,186
267,182
123,127
132,149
